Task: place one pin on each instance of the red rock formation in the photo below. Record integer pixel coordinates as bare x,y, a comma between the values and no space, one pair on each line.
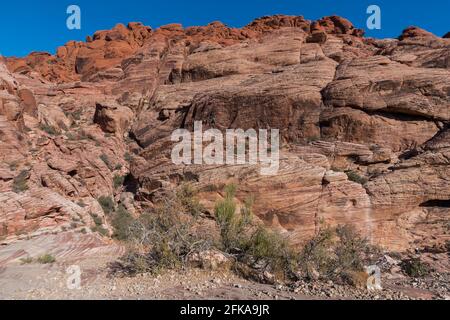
364,125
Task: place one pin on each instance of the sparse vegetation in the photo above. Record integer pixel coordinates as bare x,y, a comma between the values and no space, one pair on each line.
106,160
415,268
98,229
187,197
49,129
27,260
159,240
13,166
46,259
20,182
335,252
97,220
118,181
121,223
128,157
107,204
355,177
81,204
165,237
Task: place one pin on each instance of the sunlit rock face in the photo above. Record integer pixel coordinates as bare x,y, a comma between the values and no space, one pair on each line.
364,126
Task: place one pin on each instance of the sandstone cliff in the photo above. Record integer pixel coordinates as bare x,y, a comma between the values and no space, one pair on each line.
365,126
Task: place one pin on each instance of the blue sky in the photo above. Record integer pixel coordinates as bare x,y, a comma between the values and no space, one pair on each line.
40,25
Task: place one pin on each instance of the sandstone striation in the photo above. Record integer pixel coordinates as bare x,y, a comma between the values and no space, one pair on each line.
364,125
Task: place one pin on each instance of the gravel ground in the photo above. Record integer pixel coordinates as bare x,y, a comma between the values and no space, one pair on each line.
92,256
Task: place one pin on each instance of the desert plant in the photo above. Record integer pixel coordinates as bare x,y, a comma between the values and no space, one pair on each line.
49,129
97,220
355,177
98,229
106,161
165,238
26,260
118,181
186,194
128,157
107,204
334,253
121,223
415,268
271,252
46,259
20,182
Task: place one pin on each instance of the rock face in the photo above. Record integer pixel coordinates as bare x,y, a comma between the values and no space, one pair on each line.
364,125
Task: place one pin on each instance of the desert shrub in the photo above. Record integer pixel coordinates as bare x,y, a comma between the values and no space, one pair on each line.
270,251
13,166
121,223
46,259
20,182
26,260
81,204
118,181
317,256
353,251
107,204
128,157
415,268
160,240
186,195
355,177
232,226
106,160
97,220
335,252
76,115
98,229
48,129
254,245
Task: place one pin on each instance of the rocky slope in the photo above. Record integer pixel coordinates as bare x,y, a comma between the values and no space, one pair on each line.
365,126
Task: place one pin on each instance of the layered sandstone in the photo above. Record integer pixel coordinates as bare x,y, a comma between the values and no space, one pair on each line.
364,125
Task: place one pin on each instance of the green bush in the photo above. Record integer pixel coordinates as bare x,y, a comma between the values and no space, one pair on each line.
26,260
49,129
255,246
107,204
20,182
98,229
231,226
46,259
186,194
334,252
121,223
118,181
128,157
106,160
167,236
415,268
97,220
268,248
355,177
